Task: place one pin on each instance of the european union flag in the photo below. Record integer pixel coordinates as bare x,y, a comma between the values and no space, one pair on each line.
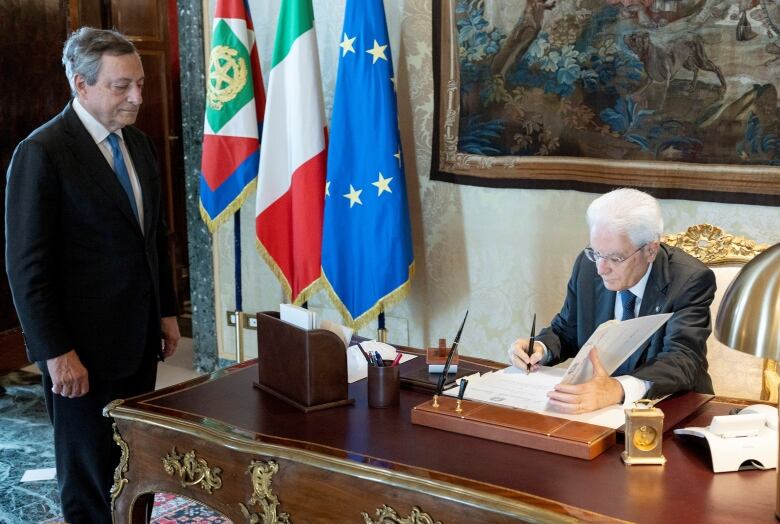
367,258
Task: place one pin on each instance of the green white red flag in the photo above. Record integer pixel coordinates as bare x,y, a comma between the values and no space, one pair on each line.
291,182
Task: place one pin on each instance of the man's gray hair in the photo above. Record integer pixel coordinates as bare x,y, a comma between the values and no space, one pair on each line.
85,47
628,211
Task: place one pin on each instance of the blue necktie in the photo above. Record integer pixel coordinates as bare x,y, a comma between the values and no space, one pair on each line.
629,304
120,169
628,299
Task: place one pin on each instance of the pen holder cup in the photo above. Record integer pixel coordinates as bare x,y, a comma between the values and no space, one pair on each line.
384,385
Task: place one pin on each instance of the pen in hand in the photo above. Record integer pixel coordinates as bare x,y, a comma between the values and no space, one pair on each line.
531,341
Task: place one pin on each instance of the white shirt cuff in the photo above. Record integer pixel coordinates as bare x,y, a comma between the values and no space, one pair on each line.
546,357
633,389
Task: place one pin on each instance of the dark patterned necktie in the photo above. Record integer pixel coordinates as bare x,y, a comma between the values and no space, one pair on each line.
628,299
629,304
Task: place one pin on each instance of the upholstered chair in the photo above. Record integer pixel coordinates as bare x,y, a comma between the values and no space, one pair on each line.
734,374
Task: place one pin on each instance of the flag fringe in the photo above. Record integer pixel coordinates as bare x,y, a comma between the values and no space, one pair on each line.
305,294
392,298
213,223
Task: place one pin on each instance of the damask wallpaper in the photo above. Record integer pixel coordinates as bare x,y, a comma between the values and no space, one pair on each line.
504,254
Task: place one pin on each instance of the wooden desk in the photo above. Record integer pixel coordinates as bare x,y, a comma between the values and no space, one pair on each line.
239,450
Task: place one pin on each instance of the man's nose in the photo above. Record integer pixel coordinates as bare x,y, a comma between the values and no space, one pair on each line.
602,267
135,96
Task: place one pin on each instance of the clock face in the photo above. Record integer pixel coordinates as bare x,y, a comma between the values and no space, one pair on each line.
645,438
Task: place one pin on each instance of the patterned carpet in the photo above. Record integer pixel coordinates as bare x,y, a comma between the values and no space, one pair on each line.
26,443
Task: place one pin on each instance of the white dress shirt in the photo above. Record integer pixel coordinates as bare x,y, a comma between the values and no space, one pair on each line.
99,134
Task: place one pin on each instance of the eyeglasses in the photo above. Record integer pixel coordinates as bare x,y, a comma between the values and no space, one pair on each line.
594,255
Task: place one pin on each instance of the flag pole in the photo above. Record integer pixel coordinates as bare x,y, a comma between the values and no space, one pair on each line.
381,332
239,297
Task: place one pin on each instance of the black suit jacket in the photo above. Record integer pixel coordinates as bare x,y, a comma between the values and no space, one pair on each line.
83,274
675,357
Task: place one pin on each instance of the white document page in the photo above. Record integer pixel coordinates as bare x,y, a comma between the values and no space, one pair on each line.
513,387
357,367
616,341
298,316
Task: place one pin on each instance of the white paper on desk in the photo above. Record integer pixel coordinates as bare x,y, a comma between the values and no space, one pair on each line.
357,367
298,316
512,387
616,341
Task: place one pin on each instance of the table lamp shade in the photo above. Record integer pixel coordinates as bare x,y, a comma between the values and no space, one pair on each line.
749,316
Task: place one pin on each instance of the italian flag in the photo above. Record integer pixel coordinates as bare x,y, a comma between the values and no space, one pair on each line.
291,180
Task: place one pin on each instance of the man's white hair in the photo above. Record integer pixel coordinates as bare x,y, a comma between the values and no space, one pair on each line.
628,211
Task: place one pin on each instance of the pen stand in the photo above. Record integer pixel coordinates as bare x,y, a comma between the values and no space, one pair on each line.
384,385
305,368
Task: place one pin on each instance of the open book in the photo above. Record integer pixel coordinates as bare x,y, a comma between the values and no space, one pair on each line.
616,340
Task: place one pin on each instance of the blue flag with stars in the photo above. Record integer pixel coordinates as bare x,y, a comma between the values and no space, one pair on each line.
367,258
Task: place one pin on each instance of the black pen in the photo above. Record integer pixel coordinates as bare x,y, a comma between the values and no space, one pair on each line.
443,377
364,353
531,341
463,383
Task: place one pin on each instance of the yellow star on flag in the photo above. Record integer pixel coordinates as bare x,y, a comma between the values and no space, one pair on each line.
378,51
353,196
346,45
327,188
382,184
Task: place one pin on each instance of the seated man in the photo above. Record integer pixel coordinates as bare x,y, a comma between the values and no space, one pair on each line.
626,259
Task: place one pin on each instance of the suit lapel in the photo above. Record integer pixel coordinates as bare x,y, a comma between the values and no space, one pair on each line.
94,163
141,163
654,299
605,302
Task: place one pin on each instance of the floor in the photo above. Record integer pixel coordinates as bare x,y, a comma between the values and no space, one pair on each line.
26,439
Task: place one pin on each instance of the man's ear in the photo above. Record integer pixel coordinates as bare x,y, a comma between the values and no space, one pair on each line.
652,249
79,84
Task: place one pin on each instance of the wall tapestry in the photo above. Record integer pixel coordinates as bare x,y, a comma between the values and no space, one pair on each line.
675,96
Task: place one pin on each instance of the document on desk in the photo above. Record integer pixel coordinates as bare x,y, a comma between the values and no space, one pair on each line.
616,341
512,387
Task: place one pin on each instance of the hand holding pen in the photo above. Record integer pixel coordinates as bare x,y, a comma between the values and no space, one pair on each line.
525,353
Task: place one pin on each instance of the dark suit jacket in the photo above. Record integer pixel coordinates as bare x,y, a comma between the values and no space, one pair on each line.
82,273
675,358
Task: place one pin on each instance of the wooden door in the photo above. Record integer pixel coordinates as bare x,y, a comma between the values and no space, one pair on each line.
34,89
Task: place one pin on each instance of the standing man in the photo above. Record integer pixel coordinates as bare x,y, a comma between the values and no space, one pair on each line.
87,261
627,272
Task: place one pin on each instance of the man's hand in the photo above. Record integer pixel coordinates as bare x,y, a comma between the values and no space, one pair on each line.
518,354
69,377
600,391
170,335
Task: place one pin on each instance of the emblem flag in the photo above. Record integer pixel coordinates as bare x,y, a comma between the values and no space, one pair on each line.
235,101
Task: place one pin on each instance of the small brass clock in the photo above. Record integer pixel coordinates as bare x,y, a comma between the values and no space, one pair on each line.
644,434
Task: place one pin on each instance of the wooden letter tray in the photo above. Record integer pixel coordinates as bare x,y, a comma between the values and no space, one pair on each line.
517,427
305,368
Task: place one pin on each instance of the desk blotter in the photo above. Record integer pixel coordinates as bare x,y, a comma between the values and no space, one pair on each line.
516,427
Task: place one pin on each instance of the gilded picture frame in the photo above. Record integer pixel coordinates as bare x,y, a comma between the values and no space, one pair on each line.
504,91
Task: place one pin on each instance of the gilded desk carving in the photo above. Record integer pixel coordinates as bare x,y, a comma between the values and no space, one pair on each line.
261,474
121,468
192,470
387,515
